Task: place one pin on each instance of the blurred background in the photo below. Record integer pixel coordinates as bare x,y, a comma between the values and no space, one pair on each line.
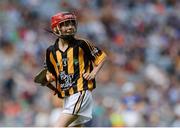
138,86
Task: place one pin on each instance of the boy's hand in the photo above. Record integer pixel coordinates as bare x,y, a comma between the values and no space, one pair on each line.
89,76
44,77
49,77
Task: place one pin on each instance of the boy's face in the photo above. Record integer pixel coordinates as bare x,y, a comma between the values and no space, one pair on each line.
68,27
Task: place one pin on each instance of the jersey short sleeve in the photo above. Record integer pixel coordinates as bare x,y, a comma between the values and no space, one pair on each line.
93,52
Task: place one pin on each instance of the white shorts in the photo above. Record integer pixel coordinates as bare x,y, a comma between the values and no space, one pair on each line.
81,104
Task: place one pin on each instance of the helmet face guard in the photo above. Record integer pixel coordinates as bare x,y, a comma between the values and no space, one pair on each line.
62,19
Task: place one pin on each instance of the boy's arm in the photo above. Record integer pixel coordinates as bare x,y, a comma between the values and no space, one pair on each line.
93,73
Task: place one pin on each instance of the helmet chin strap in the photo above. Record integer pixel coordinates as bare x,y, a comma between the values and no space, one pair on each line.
57,34
64,37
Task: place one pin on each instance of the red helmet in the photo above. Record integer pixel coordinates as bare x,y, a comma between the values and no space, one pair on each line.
61,17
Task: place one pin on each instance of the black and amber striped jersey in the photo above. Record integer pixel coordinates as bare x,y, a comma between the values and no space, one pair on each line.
68,66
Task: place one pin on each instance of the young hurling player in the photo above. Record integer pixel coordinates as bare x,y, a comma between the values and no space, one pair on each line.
73,64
